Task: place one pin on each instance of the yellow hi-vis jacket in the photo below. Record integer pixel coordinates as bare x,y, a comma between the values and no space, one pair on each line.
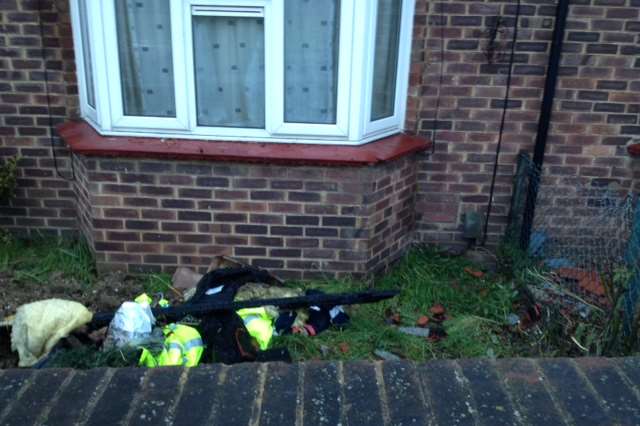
259,325
182,346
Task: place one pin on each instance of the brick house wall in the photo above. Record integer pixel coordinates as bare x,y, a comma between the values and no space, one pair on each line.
44,202
595,113
595,116
300,222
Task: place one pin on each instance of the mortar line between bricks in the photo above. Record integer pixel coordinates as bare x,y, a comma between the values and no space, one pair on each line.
56,397
300,395
382,393
594,391
25,386
566,417
516,412
93,401
171,410
523,411
343,398
627,380
464,382
222,377
426,394
137,397
257,406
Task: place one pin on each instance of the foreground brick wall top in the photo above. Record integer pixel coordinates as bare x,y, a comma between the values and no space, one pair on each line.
596,110
520,391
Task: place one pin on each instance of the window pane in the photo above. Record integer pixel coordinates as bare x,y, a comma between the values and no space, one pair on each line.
146,63
386,59
86,50
229,67
312,39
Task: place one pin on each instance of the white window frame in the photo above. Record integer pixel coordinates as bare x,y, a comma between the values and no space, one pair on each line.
87,111
355,76
118,118
226,9
374,127
341,127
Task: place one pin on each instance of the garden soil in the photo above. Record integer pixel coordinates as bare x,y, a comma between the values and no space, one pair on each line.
104,295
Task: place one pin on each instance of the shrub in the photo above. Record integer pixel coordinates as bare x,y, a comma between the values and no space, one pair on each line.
8,178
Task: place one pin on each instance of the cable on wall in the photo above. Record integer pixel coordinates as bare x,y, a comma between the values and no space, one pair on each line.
505,107
440,79
43,54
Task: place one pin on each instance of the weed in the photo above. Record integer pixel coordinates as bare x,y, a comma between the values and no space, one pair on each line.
86,357
476,307
8,178
36,260
156,283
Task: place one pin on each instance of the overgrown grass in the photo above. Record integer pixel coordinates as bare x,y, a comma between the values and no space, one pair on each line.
156,283
476,309
36,260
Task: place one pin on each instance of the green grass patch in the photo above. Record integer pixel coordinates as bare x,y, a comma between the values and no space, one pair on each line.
89,357
36,260
476,309
156,283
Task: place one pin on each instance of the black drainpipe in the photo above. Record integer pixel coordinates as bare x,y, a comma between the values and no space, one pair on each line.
562,11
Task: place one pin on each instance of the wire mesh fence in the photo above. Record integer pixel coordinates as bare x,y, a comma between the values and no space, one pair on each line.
585,233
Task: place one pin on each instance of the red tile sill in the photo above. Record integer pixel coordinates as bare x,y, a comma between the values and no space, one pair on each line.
83,139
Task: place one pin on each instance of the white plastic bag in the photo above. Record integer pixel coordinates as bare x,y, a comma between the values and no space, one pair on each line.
131,326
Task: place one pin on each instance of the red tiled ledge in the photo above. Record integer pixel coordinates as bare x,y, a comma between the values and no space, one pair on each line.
83,139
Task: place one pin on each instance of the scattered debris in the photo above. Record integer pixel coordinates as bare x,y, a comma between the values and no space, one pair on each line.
482,257
437,334
184,279
8,321
386,356
438,313
38,326
392,318
588,281
473,272
182,346
230,317
132,325
423,321
513,319
415,331
98,336
324,350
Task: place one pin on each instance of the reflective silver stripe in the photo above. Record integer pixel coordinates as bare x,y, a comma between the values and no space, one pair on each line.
173,345
250,318
193,343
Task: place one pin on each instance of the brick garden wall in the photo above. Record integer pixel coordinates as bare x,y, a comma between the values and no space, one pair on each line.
44,202
300,222
596,110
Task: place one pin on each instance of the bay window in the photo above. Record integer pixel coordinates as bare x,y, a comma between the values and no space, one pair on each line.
317,71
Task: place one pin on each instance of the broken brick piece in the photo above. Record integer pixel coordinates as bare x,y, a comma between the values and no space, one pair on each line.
422,321
588,281
474,273
437,309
